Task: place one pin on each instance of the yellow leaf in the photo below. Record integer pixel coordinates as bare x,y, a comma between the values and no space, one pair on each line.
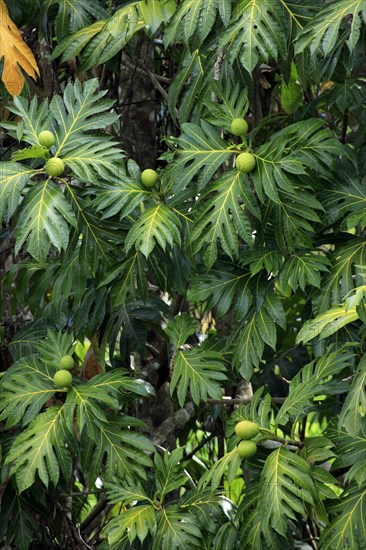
16,54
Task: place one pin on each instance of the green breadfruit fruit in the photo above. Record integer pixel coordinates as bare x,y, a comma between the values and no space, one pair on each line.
46,138
246,449
63,378
247,429
245,162
55,166
66,362
239,127
149,177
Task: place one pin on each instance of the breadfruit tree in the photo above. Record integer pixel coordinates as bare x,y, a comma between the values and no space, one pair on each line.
182,262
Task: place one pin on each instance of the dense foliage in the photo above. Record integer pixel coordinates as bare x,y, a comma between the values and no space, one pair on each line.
210,292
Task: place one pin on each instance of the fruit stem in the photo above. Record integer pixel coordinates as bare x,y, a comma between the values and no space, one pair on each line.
282,440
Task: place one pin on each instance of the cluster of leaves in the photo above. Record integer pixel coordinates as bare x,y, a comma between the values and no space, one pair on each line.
275,257
44,438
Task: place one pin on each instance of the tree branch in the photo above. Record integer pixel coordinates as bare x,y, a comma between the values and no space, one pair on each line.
173,424
98,508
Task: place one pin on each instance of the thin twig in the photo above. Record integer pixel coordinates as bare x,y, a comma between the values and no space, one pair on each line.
283,440
283,379
311,540
142,69
153,79
155,82
199,446
239,401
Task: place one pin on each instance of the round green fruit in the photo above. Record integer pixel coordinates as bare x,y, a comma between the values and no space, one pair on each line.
63,378
46,138
66,362
149,177
246,449
246,429
55,166
245,162
239,127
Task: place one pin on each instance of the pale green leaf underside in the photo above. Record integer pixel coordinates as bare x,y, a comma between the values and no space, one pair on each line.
327,323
